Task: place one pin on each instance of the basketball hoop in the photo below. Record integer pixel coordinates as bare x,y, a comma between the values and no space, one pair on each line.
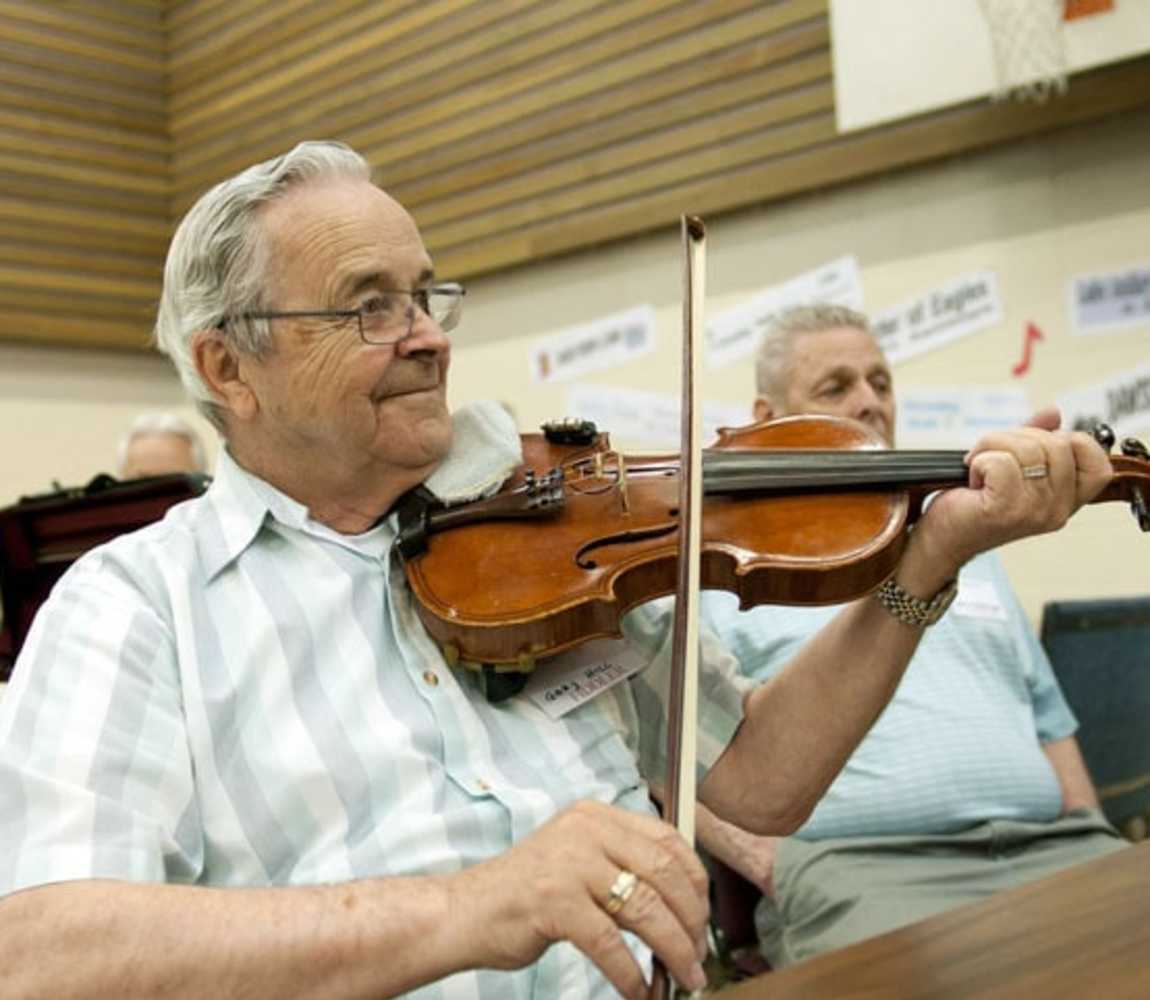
1029,52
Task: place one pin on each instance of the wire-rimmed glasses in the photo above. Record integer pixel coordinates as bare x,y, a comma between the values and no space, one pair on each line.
388,315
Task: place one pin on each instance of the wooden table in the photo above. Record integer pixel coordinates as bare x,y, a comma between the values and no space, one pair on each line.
1082,933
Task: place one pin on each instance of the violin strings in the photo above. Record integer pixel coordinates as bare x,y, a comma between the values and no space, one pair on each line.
788,469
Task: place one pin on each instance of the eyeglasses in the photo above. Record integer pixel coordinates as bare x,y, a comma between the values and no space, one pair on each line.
388,316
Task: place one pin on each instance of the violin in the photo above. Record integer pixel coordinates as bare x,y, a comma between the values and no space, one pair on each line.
799,510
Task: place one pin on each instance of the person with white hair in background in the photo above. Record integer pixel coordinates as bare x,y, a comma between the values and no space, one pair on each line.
158,444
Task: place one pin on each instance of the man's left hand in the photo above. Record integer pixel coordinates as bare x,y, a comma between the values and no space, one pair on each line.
1023,482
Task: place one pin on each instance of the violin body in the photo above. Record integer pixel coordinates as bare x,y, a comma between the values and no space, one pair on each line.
508,592
800,510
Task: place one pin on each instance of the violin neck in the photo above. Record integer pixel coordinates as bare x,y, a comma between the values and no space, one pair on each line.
797,470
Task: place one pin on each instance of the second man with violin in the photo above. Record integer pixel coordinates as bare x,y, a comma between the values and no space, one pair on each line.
232,762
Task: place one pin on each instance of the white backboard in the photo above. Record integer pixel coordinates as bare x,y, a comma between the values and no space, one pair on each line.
897,58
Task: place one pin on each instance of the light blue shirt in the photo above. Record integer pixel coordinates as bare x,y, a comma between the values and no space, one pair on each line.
960,742
240,696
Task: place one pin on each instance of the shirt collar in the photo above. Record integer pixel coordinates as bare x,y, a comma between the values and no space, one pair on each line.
240,509
485,450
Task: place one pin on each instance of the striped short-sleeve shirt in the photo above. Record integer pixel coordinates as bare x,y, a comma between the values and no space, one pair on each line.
960,741
240,696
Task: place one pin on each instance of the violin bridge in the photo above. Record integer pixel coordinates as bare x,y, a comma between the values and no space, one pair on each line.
623,496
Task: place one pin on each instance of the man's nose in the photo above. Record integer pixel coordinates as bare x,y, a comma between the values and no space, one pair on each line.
425,337
866,399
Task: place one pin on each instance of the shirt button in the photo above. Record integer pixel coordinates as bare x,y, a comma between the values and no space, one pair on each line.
430,678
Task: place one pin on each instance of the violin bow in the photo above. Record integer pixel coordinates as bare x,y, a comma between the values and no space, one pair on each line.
683,697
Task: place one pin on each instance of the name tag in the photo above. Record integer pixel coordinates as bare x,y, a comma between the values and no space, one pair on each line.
978,599
576,677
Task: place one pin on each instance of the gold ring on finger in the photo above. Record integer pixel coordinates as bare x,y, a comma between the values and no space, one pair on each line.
621,890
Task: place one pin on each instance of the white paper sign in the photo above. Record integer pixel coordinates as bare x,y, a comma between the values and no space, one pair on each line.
605,343
978,599
736,333
1113,301
649,419
956,417
956,309
1122,401
574,678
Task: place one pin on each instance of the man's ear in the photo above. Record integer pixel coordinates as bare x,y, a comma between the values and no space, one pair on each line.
763,409
219,366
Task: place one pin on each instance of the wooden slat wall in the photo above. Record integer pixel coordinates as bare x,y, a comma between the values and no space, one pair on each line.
84,172
501,123
517,129
513,129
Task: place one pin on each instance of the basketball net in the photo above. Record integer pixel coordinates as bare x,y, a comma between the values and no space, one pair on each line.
1029,52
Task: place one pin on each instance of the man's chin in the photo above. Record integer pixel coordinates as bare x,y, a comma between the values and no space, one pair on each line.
420,447
416,414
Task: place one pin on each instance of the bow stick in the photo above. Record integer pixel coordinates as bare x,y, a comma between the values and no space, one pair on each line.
683,698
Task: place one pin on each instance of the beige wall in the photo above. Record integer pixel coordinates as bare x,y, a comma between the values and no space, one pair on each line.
63,411
1036,213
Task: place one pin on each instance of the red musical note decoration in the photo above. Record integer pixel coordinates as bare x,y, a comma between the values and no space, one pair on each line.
1032,334
1074,9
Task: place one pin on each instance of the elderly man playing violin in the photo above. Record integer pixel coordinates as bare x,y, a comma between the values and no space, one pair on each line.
970,781
232,763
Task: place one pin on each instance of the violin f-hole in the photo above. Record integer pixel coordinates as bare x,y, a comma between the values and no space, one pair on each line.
582,557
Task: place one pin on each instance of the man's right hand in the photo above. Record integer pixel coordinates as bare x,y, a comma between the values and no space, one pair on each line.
556,886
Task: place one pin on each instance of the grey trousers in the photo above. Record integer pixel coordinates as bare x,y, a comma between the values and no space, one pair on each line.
831,893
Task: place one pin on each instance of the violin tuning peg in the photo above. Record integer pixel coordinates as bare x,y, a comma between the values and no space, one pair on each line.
1133,448
1103,435
1141,508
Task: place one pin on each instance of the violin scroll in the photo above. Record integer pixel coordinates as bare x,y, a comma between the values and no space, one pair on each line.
1131,474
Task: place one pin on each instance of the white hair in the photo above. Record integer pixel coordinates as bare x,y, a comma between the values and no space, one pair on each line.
160,423
773,358
216,266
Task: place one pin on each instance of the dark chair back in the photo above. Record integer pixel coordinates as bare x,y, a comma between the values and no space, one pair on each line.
1100,650
40,537
733,902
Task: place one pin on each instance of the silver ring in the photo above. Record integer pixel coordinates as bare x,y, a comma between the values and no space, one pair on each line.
621,890
1034,471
